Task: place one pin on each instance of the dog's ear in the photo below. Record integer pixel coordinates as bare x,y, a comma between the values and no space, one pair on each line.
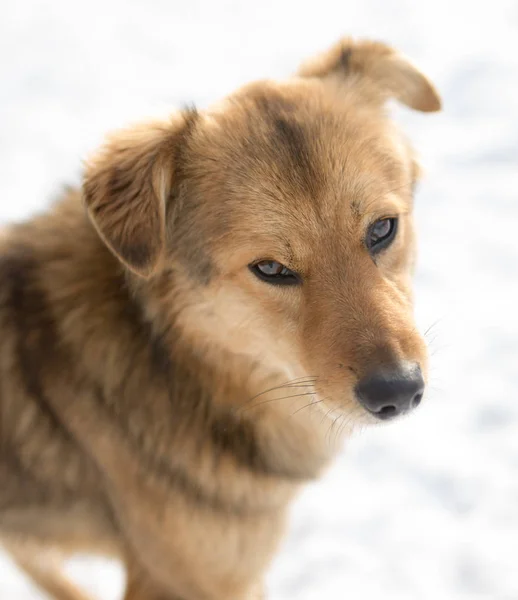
392,74
126,188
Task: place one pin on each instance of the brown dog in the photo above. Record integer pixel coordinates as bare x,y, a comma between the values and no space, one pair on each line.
180,357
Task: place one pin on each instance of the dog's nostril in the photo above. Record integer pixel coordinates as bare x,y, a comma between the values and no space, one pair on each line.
387,411
417,400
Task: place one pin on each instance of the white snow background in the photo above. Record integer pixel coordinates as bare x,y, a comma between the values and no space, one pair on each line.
425,508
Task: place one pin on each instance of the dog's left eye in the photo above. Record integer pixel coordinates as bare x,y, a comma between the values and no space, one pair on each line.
381,234
272,271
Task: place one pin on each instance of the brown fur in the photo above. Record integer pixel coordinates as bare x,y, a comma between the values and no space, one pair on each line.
158,402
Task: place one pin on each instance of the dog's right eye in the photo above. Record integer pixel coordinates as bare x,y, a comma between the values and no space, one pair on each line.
381,234
274,272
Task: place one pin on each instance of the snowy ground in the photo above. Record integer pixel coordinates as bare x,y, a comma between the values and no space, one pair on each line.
426,508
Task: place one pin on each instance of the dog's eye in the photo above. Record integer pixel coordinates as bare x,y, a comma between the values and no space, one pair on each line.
381,234
272,271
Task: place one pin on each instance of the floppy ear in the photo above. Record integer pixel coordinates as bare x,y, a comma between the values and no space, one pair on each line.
126,188
393,74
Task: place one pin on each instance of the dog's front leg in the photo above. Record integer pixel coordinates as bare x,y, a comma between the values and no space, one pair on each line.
139,586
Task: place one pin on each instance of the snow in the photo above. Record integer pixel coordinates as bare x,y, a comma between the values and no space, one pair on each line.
426,508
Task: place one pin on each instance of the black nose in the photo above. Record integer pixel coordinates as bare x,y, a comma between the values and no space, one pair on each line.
387,394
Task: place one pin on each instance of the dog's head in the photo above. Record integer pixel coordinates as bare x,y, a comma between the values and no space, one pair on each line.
275,230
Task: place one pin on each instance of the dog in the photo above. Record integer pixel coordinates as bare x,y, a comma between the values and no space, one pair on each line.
187,339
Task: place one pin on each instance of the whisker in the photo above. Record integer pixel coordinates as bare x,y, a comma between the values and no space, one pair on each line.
243,408
307,405
346,423
341,422
324,417
432,326
291,382
330,429
434,351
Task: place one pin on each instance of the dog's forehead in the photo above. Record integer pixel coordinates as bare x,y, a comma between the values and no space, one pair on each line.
298,145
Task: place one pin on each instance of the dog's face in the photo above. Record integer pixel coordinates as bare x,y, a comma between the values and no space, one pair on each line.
281,223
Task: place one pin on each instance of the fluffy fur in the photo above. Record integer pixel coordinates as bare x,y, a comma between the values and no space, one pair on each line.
160,403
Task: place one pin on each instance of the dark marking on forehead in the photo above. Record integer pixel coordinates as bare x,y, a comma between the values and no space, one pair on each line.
345,58
273,105
290,140
292,135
